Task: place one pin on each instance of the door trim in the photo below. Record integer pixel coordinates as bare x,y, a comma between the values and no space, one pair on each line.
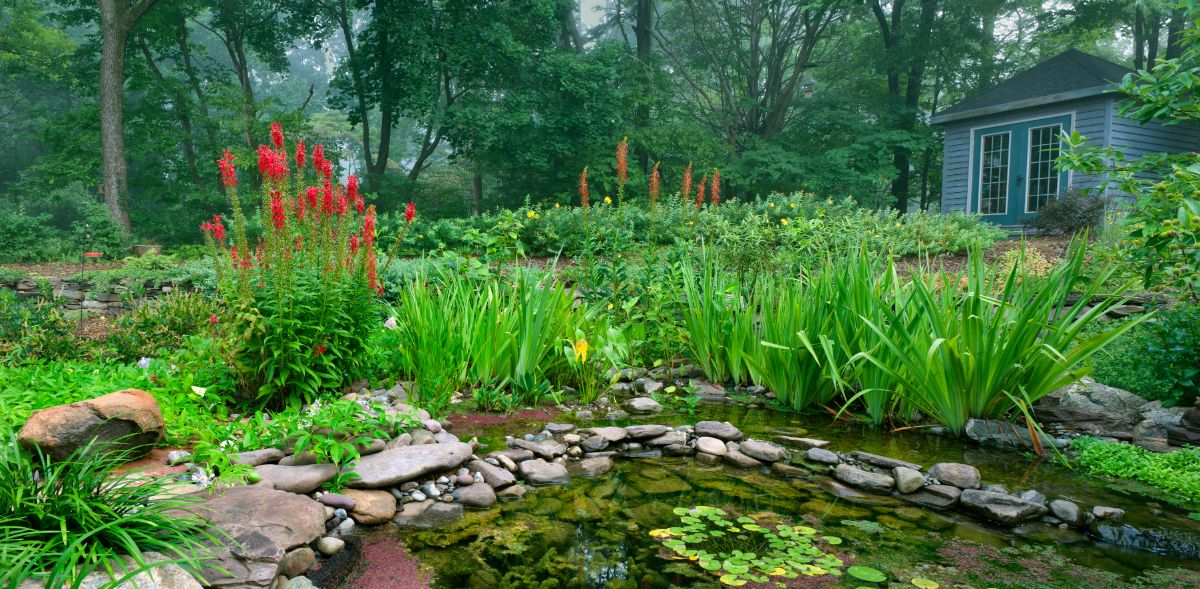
971,196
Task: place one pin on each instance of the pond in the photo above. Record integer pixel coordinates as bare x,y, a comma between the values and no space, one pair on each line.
594,533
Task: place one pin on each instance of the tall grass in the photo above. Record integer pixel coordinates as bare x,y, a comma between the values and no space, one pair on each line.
61,521
719,318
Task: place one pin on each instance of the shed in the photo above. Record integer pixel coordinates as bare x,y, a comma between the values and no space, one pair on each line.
1001,144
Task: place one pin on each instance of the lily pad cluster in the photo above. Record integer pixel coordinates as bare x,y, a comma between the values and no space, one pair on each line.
740,550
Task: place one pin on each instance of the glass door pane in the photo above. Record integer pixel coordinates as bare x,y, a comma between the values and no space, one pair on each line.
993,174
1044,147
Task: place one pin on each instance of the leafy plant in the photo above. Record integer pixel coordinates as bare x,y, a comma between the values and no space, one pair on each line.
1156,359
740,550
62,520
1177,474
1068,214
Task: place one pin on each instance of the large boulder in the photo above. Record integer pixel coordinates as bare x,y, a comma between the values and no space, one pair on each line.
400,465
640,432
495,476
1002,433
125,420
1089,394
163,576
1001,508
963,476
261,526
717,429
372,507
867,481
297,479
765,451
644,404
548,449
540,472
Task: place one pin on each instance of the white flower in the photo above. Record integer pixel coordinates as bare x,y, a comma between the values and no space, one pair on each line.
144,362
199,390
390,323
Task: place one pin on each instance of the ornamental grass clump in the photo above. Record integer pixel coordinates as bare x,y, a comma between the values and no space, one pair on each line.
63,520
302,295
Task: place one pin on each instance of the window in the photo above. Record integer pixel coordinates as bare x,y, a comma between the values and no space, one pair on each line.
1044,146
993,174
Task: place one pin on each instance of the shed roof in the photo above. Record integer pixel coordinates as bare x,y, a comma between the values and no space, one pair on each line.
1069,75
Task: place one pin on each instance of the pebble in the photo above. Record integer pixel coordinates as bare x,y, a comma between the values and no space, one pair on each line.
330,546
419,496
345,527
339,513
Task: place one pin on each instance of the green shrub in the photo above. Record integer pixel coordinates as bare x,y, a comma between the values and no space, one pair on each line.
35,329
1158,359
160,326
1069,214
1176,473
62,520
25,237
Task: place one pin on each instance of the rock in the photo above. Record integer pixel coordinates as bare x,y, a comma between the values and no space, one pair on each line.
477,496
868,481
330,546
511,492
400,441
513,455
584,415
548,449
131,415
740,460
433,425
336,501
709,445
1187,433
258,457
162,576
963,476
1000,508
409,512
802,443
398,465
297,479
540,472
788,470
299,583
176,457
442,437
440,514
559,428
822,456
299,459
345,527
883,461
1089,394
594,467
1085,419
640,432
295,562
371,507
465,480
764,451
1001,433
1102,512
938,496
673,438
1033,496
708,392
907,479
610,434
262,526
1069,512
720,430
495,476
594,444
678,450
1156,420
644,405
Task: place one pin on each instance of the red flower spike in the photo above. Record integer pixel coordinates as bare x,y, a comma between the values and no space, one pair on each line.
622,168
300,155
584,200
327,199
654,185
715,191
368,232
277,214
410,212
700,192
277,135
228,170
312,197
686,190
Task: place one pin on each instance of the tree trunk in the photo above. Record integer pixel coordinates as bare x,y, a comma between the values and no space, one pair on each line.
360,92
642,33
117,18
477,191
1139,39
1175,33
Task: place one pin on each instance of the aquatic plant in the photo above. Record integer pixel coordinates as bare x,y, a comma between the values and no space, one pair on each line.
740,550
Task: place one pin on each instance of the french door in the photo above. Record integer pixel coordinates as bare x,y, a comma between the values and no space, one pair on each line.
1013,171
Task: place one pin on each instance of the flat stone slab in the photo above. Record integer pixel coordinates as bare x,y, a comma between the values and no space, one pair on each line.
258,457
674,438
760,450
610,434
639,432
400,465
297,479
883,461
540,472
1000,507
548,449
867,481
802,443
495,476
717,429
936,496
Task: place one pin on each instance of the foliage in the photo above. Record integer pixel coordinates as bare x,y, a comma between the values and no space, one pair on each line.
161,326
61,225
302,299
1068,214
1165,219
34,328
741,550
1176,473
62,520
1156,359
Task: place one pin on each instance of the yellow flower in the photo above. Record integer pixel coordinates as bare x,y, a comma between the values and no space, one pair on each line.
691,222
610,306
829,201
897,223
607,200
556,205
530,214
771,204
784,221
793,205
581,348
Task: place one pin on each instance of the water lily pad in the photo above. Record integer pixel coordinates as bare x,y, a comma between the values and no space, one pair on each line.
732,580
865,573
925,583
834,540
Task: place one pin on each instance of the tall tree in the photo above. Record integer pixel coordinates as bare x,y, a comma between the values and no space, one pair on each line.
117,19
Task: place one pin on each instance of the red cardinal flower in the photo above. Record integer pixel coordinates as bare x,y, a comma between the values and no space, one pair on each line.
327,198
353,243
318,349
700,191
368,232
228,171
300,155
715,191
622,169
654,185
272,165
277,209
311,193
216,229
410,212
584,200
277,135
318,156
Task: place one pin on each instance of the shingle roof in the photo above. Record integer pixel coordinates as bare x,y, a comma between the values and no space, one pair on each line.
1070,73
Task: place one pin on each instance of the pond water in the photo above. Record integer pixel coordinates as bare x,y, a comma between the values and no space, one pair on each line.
594,533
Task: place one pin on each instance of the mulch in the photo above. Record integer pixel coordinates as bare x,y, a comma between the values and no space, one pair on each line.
61,269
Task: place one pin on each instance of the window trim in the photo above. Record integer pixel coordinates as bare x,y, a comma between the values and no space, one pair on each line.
1007,173
1029,162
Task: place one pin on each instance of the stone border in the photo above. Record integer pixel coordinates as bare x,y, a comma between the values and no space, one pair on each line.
78,295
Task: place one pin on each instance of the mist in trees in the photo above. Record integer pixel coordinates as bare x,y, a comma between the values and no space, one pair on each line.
466,105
